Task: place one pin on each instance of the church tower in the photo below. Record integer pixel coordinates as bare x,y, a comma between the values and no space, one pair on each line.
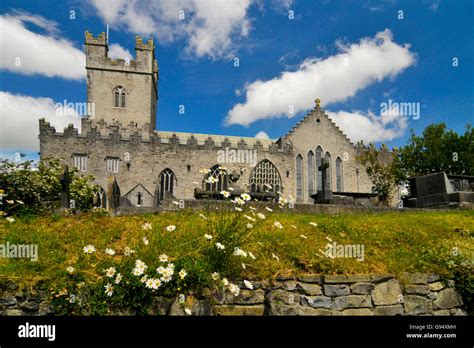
121,90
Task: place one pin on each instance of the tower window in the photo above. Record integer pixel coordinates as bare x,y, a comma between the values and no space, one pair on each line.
112,164
80,162
119,97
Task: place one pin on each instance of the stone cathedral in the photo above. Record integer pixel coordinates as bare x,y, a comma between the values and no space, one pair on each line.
120,144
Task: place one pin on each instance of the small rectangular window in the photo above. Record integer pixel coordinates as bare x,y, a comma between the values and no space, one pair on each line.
80,162
112,164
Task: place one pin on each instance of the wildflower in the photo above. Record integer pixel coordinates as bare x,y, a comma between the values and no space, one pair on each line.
225,194
249,218
248,284
145,241
187,311
110,251
251,256
211,180
220,246
303,236
89,249
225,282
160,270
277,224
182,298
238,201
313,224
208,236
128,251
146,226
109,289
261,216
166,277
234,289
163,258
252,208
203,216
245,196
70,269
144,279
170,228
10,201
269,209
10,219
249,225
329,239
215,276
294,227
110,272
156,284
275,257
238,209
183,274
118,278
138,271
149,283
239,252
243,265
20,202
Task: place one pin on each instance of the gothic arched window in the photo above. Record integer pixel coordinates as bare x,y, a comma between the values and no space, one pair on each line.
299,177
319,179
167,179
265,178
119,97
216,180
101,198
310,173
338,174
327,156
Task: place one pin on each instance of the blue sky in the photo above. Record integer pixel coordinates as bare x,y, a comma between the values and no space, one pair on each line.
405,60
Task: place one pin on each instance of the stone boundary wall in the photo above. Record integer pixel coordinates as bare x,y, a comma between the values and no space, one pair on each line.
310,295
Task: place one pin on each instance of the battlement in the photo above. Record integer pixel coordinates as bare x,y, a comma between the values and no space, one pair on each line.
139,45
100,40
140,134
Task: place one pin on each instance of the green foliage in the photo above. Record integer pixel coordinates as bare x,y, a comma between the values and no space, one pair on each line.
464,280
34,190
436,150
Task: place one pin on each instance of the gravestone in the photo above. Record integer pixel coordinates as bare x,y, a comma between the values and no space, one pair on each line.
113,194
65,180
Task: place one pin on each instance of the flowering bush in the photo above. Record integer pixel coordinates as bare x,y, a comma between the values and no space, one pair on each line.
29,189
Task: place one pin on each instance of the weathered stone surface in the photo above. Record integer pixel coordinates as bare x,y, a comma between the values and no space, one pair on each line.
432,278
362,288
336,290
352,301
13,312
310,289
30,306
437,286
281,296
45,308
197,307
387,293
247,297
447,298
312,279
335,279
357,312
237,310
458,312
283,309
416,305
416,289
308,311
159,305
8,300
389,310
416,278
442,312
316,301
290,285
357,278
379,278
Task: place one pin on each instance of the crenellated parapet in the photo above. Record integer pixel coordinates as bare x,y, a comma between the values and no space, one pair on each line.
139,135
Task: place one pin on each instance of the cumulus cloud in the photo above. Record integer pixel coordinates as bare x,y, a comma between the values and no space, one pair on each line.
117,51
19,116
262,135
26,52
369,127
210,27
333,79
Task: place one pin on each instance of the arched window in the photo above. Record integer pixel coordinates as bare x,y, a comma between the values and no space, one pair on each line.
119,97
310,173
167,179
327,156
101,198
319,176
299,177
216,180
265,178
338,174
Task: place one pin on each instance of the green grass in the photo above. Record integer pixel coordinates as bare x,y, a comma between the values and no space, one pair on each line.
394,243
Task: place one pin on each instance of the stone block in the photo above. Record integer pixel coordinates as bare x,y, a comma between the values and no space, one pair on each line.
281,296
8,300
416,305
358,278
237,310
29,306
13,312
247,297
389,310
362,288
379,278
335,279
290,285
352,301
357,312
310,289
336,290
316,301
436,286
447,298
416,278
417,289
312,279
387,293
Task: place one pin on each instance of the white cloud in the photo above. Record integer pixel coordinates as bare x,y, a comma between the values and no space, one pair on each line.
370,127
19,115
333,79
26,52
210,27
262,135
117,51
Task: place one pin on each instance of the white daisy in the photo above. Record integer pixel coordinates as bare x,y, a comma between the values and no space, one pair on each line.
225,194
245,196
170,228
248,284
118,278
109,289
277,224
145,241
128,251
89,249
10,219
70,269
146,226
110,251
208,236
163,258
183,274
239,252
215,276
220,246
261,216
110,272
249,225
187,311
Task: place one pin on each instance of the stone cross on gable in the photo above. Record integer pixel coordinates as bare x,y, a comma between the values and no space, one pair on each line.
65,180
323,168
